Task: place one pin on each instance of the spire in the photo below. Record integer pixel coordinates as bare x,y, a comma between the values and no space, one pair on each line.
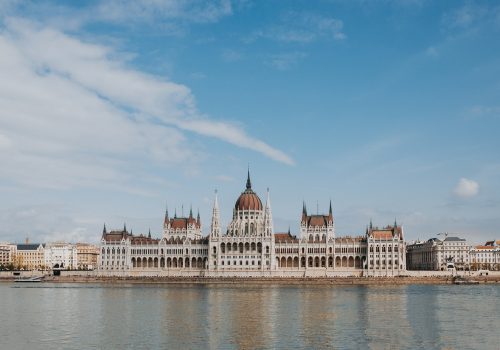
395,223
166,213
124,227
149,234
371,224
304,209
104,229
198,216
249,183
330,211
268,200
289,230
175,213
215,227
190,211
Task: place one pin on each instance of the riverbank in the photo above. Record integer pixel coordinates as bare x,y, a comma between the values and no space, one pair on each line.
403,280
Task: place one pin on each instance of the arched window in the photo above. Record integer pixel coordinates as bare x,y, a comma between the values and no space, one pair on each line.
251,229
215,250
267,249
246,229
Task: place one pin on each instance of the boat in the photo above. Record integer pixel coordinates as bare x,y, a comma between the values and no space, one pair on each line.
30,279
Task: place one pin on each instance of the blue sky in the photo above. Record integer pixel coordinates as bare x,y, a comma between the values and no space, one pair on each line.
111,109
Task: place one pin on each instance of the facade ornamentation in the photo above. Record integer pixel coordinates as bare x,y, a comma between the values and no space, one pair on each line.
249,247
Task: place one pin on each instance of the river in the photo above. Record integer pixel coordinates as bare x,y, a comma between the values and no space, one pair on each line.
246,316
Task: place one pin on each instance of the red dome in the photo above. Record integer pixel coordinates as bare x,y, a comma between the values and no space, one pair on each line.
248,200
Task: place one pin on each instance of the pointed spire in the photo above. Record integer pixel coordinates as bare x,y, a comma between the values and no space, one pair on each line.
289,230
216,201
149,234
130,231
104,229
190,211
124,227
166,213
304,209
268,200
395,223
249,183
330,211
175,213
198,216
371,224
215,227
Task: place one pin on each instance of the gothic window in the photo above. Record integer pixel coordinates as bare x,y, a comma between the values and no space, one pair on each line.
246,229
251,229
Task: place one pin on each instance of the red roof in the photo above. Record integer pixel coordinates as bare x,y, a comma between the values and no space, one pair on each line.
316,220
285,238
182,223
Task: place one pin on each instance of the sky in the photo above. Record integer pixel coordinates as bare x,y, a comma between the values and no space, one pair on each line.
112,110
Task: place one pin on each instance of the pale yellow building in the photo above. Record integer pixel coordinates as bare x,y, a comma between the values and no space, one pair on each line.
30,256
88,255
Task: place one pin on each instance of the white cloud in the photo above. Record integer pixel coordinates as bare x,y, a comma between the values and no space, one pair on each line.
432,52
75,113
285,61
466,188
229,55
479,111
296,27
148,10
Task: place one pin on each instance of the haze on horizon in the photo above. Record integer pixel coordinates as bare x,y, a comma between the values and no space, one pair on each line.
111,109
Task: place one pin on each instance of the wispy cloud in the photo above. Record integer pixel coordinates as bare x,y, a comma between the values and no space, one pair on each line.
229,55
471,15
479,111
75,113
466,188
172,17
296,27
285,61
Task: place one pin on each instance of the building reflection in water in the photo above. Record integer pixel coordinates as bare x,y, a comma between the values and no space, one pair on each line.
387,325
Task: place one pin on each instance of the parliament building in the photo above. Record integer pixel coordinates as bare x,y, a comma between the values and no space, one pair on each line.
249,247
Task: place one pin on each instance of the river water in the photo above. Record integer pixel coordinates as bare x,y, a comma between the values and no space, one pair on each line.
97,316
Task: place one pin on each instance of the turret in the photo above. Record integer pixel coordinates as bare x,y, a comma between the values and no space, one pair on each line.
268,217
215,227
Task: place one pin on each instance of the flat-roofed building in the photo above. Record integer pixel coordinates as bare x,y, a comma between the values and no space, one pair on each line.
7,254
88,256
435,254
61,255
486,257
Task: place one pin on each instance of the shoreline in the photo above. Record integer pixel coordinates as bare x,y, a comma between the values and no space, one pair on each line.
261,280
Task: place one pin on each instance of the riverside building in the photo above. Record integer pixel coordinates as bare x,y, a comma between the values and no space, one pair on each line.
486,257
439,255
249,247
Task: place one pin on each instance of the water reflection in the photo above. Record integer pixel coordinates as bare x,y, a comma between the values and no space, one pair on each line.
248,317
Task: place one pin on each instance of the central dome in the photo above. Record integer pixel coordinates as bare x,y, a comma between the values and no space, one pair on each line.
248,200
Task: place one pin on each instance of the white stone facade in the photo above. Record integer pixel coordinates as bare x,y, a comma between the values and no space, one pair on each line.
61,255
250,248
486,257
435,254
